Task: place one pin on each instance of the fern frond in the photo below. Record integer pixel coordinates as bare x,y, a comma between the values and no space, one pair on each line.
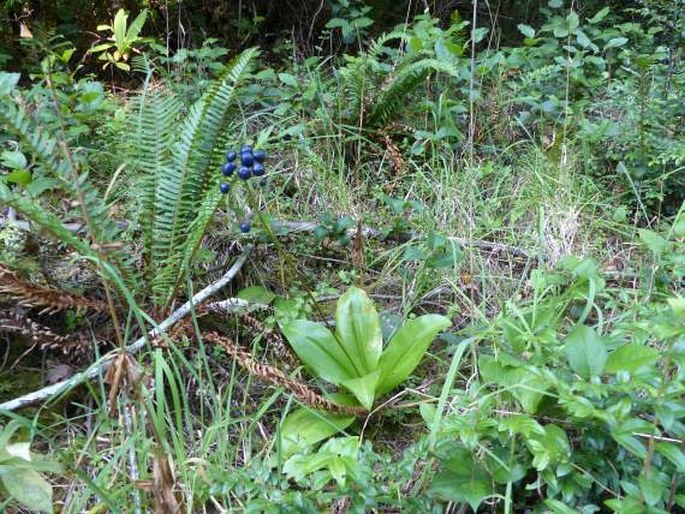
179,164
393,98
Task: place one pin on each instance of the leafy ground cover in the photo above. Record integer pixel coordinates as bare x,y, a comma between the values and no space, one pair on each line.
428,272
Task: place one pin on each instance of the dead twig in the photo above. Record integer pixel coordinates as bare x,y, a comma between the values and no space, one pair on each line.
97,369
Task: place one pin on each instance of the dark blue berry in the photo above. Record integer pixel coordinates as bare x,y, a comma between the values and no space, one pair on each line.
263,182
258,170
230,156
247,158
246,149
223,187
228,169
244,173
260,156
244,227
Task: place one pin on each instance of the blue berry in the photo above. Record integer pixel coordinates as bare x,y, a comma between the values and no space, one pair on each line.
244,173
228,169
260,156
244,227
258,170
246,149
247,158
223,187
230,156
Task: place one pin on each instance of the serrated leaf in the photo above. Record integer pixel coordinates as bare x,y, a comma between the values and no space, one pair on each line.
405,350
29,488
585,351
358,331
630,358
304,428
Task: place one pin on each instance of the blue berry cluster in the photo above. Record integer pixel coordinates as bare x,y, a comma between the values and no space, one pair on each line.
251,165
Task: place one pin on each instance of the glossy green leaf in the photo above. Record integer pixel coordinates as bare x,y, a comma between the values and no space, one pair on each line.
358,329
526,30
319,350
631,357
8,81
257,294
21,177
652,489
585,351
405,350
13,159
135,27
363,388
304,428
673,453
119,27
558,507
452,487
29,488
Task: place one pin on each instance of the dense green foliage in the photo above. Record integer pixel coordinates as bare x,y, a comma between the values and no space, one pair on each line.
460,285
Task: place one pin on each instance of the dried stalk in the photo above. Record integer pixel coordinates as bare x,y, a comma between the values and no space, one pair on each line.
98,368
50,300
275,376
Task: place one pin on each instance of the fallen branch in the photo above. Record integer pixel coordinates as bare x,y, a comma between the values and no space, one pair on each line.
369,232
285,227
98,368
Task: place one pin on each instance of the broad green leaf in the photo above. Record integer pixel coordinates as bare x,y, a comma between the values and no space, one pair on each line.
363,388
558,507
257,294
652,488
288,79
29,488
585,351
405,350
8,81
319,350
13,159
555,4
135,27
119,27
358,329
616,42
298,467
452,487
526,30
673,453
20,450
653,241
599,16
631,357
21,177
305,427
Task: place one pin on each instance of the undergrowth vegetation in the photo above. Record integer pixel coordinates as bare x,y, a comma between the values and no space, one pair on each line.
431,266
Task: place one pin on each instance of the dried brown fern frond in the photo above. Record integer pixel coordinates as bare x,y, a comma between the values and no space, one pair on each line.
275,376
36,296
17,322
